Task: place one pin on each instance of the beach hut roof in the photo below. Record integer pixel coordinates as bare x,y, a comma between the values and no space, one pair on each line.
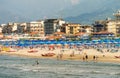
53,37
59,33
80,33
33,33
103,32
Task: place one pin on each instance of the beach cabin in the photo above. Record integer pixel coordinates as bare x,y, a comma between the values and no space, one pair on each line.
103,34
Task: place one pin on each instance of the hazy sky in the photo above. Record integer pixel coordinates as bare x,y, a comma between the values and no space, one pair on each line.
37,8
30,10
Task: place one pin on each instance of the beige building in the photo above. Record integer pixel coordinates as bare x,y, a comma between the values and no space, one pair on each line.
36,28
114,27
70,28
0,29
88,29
109,25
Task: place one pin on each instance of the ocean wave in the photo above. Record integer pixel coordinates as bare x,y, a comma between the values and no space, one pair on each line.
105,73
116,73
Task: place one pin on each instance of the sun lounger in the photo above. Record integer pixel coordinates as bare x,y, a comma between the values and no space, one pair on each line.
32,51
48,54
117,56
11,51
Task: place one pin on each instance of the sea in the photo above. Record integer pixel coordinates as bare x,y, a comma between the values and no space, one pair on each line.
22,67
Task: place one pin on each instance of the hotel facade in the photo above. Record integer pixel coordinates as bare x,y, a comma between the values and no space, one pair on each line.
36,28
70,28
108,25
52,25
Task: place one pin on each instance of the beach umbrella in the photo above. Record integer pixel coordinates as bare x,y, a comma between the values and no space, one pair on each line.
10,43
57,42
6,43
87,43
94,41
48,42
72,43
65,43
106,41
40,42
78,44
21,43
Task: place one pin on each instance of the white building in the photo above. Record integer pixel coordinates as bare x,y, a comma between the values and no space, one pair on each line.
36,28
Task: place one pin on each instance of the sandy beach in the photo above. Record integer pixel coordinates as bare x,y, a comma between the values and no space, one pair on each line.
67,54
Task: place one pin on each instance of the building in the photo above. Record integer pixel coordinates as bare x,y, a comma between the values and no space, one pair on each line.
99,26
15,28
102,34
113,26
10,28
36,28
109,25
22,28
88,29
70,28
52,25
0,29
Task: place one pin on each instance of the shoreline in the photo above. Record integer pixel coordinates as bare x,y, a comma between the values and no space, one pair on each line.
108,58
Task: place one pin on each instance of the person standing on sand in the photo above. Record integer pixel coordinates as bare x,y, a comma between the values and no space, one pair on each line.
86,57
72,54
83,58
97,58
61,55
94,58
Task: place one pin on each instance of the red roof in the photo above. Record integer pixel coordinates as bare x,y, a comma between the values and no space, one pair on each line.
79,34
59,33
1,33
53,37
103,32
33,33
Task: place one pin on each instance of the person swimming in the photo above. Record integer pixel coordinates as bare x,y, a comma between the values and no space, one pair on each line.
37,62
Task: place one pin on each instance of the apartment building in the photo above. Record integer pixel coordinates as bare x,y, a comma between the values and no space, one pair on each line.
88,29
22,28
70,28
52,25
36,28
109,25
10,28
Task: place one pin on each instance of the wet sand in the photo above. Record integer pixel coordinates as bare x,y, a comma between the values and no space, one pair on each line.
101,57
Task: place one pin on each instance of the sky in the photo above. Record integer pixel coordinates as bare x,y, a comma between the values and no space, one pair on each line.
37,8
31,10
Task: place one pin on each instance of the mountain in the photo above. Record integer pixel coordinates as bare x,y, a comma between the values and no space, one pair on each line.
88,18
27,10
94,10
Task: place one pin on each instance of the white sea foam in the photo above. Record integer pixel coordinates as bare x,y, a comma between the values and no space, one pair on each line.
53,68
